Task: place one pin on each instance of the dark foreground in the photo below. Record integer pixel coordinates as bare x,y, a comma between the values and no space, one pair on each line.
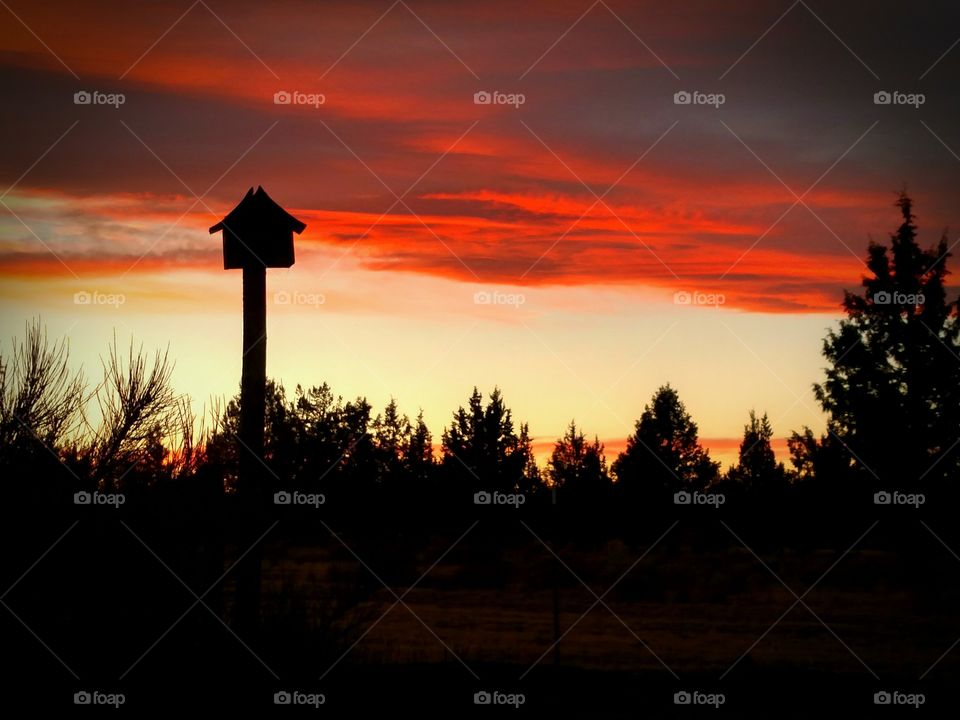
544,611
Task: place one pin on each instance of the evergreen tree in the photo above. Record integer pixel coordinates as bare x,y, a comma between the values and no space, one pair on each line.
757,467
892,391
482,450
578,467
664,453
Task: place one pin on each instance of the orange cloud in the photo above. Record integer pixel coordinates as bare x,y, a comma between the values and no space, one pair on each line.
481,235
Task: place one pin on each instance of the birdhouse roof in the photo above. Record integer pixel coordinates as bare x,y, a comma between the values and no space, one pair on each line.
258,209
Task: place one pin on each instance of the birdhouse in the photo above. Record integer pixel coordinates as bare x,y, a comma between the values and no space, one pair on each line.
258,233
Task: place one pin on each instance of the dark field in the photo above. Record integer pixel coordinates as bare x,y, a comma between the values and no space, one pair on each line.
373,611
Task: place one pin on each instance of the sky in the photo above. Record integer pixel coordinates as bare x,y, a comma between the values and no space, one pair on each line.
581,239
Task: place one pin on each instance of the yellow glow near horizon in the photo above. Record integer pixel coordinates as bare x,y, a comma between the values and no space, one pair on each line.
591,354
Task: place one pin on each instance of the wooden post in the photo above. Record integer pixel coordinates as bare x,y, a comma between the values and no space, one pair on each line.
253,380
257,234
555,578
253,376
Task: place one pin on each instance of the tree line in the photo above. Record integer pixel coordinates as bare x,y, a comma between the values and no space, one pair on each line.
891,396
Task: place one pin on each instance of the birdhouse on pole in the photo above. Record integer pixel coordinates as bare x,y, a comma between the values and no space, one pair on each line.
257,234
258,231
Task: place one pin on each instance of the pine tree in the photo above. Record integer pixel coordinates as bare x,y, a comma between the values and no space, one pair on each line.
482,449
578,467
757,467
892,391
664,453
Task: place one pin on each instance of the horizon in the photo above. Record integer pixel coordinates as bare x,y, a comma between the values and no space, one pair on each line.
473,243
463,229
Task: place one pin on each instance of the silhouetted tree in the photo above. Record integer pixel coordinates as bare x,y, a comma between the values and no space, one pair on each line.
186,451
482,450
530,481
318,442
138,412
578,468
419,453
664,453
817,459
41,403
892,391
140,433
357,461
757,467
282,454
391,436
321,441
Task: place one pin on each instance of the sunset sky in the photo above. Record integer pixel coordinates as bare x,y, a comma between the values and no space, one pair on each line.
581,212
